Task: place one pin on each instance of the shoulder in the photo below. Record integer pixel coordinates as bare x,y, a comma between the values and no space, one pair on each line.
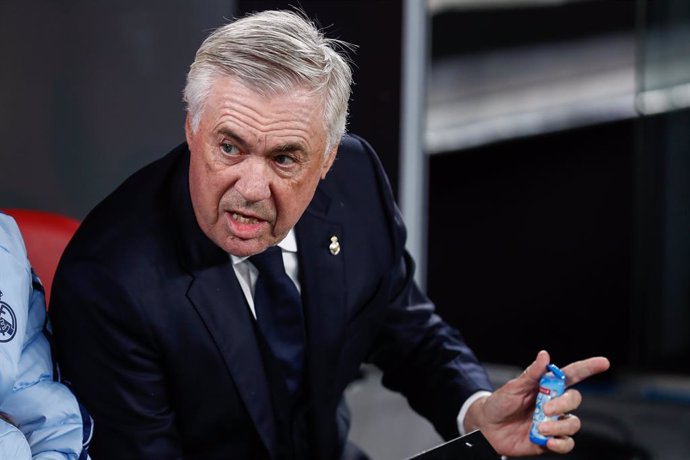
360,197
11,241
14,262
357,171
355,152
358,178
130,229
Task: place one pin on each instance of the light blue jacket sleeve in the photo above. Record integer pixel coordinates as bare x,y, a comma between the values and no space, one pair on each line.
13,443
44,410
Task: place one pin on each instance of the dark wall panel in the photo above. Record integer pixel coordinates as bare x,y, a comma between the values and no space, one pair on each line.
529,245
90,91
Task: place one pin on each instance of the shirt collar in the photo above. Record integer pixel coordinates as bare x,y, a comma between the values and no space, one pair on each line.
289,244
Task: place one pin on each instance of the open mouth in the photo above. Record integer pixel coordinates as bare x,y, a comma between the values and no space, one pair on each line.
242,219
245,226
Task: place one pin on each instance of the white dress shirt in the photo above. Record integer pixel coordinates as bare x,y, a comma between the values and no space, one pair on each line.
247,275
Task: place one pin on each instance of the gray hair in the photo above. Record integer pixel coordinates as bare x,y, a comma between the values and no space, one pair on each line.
273,52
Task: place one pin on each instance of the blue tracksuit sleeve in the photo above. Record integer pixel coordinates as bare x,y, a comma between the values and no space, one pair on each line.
44,410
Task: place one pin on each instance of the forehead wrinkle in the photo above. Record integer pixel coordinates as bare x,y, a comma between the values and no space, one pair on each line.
242,121
296,138
295,116
277,119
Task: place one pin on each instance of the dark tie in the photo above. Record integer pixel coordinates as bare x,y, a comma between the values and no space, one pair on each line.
279,314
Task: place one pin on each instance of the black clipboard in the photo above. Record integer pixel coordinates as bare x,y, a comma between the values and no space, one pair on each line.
472,446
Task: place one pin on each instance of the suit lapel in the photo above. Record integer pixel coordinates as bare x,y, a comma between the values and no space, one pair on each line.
216,295
322,277
218,298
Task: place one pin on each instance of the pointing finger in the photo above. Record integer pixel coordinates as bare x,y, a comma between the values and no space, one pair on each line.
580,370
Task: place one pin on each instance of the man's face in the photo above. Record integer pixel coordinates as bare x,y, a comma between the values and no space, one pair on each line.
255,164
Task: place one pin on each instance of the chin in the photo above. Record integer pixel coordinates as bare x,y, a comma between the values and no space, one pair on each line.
241,248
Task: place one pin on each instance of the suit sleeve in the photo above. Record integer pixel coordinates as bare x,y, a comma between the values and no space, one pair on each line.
426,359
106,351
421,356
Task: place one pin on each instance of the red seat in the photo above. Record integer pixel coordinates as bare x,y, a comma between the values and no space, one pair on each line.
45,235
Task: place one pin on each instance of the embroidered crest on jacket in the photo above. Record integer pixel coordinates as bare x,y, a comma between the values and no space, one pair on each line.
8,322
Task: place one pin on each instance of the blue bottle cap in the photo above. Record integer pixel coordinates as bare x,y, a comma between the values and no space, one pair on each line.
556,371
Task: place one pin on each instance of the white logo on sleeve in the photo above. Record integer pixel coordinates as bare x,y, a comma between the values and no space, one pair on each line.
8,322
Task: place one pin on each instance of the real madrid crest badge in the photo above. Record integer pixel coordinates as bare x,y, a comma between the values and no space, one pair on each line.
8,322
334,247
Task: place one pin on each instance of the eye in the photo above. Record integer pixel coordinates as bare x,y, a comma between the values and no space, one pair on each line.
284,160
228,149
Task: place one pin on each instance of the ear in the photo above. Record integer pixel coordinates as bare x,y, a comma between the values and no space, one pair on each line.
188,134
329,160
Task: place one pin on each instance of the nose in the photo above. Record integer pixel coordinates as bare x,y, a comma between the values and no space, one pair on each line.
254,180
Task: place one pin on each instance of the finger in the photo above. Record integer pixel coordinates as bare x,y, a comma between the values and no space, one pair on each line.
560,445
567,402
531,375
567,425
580,370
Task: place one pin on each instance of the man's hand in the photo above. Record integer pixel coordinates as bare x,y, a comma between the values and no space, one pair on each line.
505,417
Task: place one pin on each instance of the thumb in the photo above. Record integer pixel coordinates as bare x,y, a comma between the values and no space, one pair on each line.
530,377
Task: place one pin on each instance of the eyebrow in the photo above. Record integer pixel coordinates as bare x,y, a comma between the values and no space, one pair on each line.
286,147
235,137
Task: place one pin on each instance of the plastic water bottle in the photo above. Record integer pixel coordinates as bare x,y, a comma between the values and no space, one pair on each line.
551,385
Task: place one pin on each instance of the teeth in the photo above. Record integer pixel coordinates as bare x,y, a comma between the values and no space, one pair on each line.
243,219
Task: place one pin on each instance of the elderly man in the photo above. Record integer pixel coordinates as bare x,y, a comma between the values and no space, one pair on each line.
217,304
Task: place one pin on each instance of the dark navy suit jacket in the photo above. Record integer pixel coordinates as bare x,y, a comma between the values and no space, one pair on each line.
155,335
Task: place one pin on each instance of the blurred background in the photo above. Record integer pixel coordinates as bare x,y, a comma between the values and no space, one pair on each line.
539,149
